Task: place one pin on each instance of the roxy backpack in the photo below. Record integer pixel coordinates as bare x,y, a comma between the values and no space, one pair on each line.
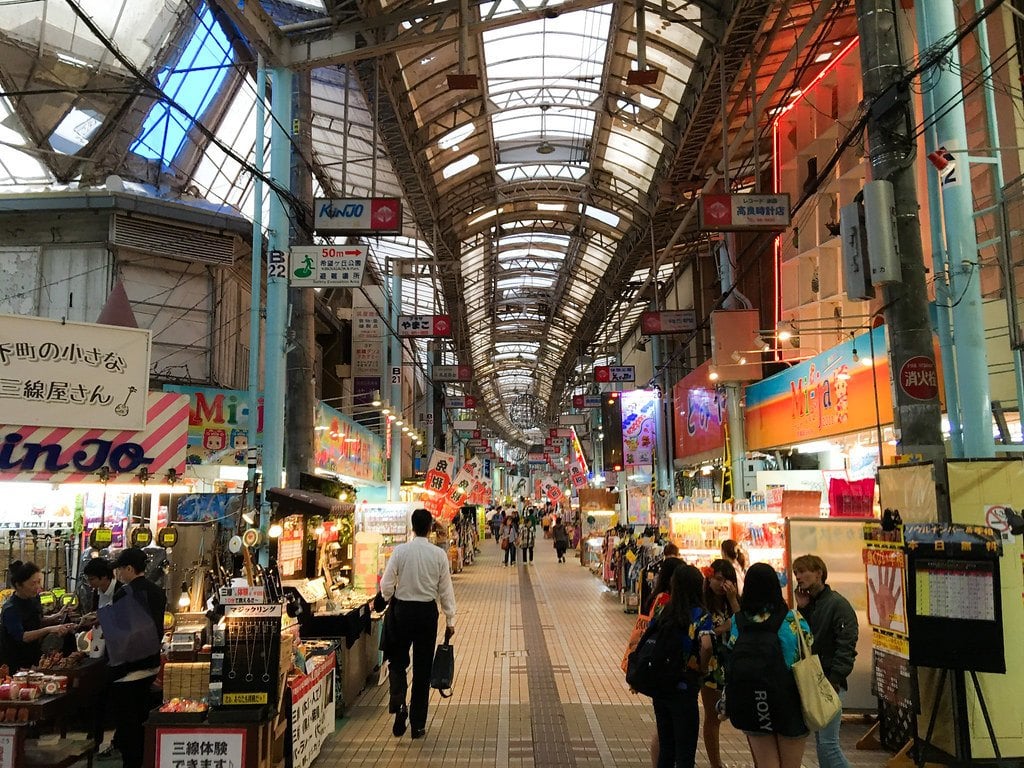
657,665
760,693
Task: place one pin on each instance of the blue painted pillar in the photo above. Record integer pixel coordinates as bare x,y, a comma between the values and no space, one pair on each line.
257,263
277,287
936,21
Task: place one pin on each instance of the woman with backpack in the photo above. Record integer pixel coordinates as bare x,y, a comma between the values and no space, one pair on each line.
761,698
722,601
675,710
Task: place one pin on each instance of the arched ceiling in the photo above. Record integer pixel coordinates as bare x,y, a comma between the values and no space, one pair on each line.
540,198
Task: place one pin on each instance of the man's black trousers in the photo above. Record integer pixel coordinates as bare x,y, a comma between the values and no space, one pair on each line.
414,626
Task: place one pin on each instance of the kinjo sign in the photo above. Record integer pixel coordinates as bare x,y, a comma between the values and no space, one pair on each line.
60,374
424,325
327,266
71,455
744,211
586,401
607,373
357,215
466,402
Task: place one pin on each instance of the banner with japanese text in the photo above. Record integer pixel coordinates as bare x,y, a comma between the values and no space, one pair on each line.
639,431
699,416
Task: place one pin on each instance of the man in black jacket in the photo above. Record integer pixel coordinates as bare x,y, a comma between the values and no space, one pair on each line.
833,623
131,681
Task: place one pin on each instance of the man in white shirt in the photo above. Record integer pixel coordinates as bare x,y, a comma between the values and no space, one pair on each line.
417,578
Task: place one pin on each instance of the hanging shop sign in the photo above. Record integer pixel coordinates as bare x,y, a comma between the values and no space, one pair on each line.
464,425
743,211
367,333
349,216
345,447
829,394
616,373
674,321
573,419
60,455
424,325
466,403
452,372
699,416
219,424
327,266
78,375
639,433
586,401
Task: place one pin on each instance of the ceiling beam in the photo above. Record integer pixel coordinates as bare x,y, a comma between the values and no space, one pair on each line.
256,26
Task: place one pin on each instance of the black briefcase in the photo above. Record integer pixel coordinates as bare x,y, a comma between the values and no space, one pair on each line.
442,671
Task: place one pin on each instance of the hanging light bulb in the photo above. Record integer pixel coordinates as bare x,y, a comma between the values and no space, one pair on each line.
275,531
184,601
712,373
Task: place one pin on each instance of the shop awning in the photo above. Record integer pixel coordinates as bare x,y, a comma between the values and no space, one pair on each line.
291,501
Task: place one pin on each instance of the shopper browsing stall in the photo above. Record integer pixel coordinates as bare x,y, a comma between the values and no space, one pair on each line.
22,624
99,575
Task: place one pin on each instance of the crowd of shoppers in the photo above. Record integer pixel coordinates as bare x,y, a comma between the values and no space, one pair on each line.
742,638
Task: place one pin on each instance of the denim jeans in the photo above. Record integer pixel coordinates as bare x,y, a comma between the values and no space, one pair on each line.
830,753
678,723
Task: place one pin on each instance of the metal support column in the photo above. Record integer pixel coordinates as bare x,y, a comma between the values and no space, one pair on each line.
892,151
662,473
300,380
395,487
936,21
277,286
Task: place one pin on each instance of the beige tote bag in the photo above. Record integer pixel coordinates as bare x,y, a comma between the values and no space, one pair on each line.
818,699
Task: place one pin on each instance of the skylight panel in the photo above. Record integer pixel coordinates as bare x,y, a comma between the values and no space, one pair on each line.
193,82
75,130
17,167
453,138
609,218
460,165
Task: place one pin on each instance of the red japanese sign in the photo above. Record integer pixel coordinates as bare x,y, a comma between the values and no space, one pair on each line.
919,378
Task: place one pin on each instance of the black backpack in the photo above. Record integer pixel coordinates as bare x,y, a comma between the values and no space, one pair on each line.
761,694
657,665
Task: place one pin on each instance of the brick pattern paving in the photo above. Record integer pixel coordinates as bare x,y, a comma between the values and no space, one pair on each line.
537,684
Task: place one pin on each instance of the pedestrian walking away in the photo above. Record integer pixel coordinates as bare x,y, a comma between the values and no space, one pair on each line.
561,536
527,538
833,623
761,696
417,577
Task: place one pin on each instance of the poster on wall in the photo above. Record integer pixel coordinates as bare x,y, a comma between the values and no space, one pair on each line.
219,424
699,415
887,604
638,505
79,375
347,448
639,433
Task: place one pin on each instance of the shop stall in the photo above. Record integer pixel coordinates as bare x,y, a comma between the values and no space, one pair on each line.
316,548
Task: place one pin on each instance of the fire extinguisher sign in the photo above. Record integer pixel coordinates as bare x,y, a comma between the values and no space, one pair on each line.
919,378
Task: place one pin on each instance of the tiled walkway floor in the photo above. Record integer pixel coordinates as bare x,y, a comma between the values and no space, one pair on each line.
536,685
